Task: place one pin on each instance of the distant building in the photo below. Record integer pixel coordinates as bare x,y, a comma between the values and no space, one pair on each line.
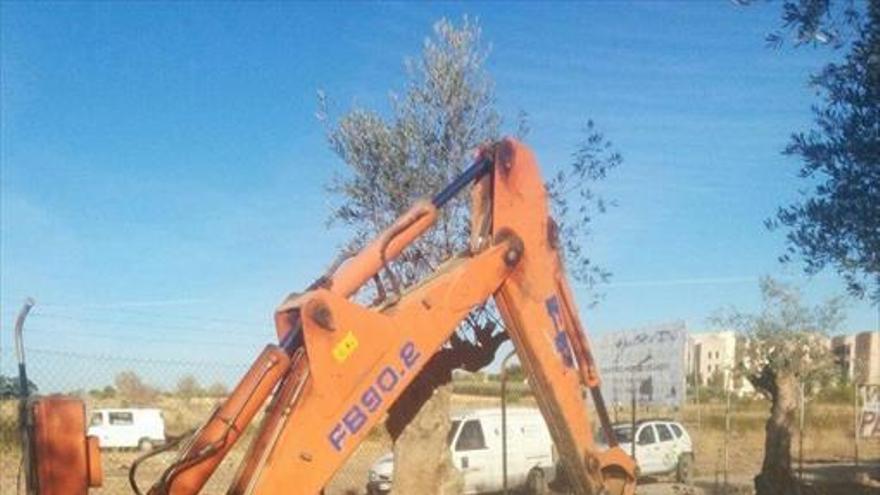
712,359
858,356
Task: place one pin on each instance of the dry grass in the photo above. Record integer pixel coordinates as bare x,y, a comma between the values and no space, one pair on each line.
828,437
180,416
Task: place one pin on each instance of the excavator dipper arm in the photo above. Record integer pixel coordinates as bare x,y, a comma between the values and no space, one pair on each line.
340,365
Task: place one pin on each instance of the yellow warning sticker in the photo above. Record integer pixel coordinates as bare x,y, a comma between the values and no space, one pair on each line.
345,347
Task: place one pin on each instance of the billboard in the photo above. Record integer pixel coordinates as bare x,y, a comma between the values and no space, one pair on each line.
649,362
869,419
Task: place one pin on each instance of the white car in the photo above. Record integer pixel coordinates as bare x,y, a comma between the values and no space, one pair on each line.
127,428
475,442
663,447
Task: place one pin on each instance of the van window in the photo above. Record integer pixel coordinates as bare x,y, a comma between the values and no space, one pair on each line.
646,436
453,429
675,429
97,420
471,437
663,432
121,418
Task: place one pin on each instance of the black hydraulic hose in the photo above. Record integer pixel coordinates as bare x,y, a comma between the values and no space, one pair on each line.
293,340
470,174
132,471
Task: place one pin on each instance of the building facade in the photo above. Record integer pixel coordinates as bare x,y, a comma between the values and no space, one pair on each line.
858,355
712,360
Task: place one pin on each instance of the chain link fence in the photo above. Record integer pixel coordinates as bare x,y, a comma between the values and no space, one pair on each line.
729,434
186,392
728,438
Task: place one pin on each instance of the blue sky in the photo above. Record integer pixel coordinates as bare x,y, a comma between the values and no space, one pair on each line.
163,168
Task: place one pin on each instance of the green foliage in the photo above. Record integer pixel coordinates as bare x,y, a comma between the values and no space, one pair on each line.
816,22
107,392
716,394
132,388
576,203
188,387
446,111
515,373
10,388
515,390
838,222
836,393
786,338
217,389
716,380
711,394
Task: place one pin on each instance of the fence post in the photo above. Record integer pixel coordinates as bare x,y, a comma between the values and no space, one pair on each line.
504,420
801,435
23,393
856,422
697,396
726,434
633,416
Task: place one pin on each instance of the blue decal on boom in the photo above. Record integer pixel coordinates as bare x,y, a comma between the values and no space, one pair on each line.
560,340
373,398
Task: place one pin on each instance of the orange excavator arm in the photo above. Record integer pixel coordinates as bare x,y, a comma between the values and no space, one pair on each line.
340,366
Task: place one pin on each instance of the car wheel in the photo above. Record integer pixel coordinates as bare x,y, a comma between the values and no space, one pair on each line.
145,445
536,483
685,470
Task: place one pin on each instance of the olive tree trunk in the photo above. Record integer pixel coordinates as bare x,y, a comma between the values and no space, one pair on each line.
422,460
776,477
418,422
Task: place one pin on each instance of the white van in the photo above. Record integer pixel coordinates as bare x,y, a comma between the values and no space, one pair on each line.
128,428
475,441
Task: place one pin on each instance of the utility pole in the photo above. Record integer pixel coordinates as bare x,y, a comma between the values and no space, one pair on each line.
504,420
27,461
632,406
697,395
727,432
633,402
801,436
856,421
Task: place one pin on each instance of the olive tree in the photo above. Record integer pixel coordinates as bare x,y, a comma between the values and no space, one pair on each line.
132,388
188,387
836,221
446,110
785,345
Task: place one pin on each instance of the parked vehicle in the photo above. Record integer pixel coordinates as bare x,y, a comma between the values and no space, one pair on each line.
663,447
475,442
128,428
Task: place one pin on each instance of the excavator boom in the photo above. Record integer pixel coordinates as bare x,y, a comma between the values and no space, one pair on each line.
340,365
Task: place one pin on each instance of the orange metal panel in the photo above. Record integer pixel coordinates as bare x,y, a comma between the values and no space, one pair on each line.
59,446
360,361
543,325
96,474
